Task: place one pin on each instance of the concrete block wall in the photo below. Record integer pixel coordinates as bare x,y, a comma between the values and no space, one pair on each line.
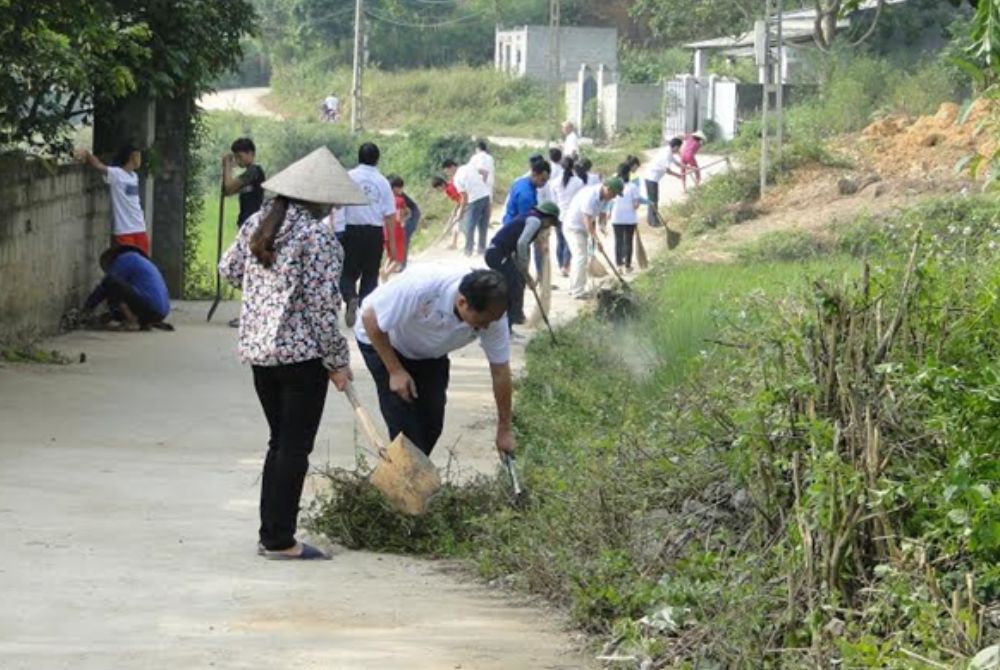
53,227
622,104
577,45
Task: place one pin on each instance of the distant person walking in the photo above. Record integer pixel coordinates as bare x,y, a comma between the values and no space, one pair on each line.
474,205
510,250
363,230
288,265
665,159
128,221
580,225
571,141
624,219
248,184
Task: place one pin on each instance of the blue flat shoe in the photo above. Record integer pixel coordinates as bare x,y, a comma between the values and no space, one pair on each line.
309,553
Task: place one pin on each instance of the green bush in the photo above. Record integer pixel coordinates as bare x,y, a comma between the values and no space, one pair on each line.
651,66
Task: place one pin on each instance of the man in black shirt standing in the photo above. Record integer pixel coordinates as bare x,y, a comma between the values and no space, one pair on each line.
247,184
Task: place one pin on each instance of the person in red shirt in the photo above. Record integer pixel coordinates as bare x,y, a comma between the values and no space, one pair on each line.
448,188
397,229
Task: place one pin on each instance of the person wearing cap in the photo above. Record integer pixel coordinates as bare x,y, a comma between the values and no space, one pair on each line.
132,287
128,220
406,331
689,161
580,224
288,265
510,250
363,230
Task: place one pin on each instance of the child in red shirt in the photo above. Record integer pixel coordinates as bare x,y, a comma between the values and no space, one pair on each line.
396,229
448,188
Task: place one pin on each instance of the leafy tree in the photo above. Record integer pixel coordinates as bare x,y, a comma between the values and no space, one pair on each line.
63,56
675,21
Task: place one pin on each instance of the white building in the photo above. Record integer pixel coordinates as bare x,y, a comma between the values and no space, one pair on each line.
524,51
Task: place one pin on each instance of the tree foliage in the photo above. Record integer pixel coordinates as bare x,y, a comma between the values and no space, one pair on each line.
60,56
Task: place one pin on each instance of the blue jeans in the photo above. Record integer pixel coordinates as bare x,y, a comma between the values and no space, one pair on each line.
562,249
477,217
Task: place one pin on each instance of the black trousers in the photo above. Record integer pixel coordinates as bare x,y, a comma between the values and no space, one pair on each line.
119,292
624,236
292,397
362,257
506,265
423,419
653,209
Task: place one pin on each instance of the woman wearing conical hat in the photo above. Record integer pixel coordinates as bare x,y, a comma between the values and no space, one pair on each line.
288,265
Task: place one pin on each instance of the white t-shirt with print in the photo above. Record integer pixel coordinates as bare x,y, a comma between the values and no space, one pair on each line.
417,310
587,202
468,180
125,205
381,202
623,206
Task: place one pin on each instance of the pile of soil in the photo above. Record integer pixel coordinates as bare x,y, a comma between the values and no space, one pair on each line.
928,146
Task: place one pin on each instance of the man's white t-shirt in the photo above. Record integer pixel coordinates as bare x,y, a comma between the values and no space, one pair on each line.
482,160
571,145
623,206
125,206
381,202
332,103
468,180
587,202
417,310
661,162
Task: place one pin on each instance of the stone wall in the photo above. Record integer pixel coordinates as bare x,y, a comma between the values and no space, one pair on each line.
524,51
54,224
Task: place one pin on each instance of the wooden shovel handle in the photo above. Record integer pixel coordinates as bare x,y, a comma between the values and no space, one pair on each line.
366,421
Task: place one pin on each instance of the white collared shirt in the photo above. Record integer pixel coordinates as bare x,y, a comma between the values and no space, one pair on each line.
482,160
417,311
586,202
571,145
468,180
381,202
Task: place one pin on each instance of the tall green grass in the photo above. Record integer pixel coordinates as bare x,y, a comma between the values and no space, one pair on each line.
461,98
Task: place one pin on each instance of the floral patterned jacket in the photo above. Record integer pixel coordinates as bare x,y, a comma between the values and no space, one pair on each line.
289,311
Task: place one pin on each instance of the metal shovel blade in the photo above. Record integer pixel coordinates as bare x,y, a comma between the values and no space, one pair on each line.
407,478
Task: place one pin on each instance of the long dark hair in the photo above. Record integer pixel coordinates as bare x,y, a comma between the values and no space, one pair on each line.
581,170
262,240
625,171
567,166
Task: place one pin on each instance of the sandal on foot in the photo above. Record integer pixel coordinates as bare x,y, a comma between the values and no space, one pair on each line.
309,553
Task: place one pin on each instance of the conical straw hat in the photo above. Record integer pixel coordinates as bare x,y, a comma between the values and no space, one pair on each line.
318,178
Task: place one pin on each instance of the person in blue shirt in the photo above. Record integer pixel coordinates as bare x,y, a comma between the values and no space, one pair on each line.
524,191
510,249
133,288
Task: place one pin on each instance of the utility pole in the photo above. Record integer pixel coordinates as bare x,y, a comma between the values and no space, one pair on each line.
555,76
768,45
356,83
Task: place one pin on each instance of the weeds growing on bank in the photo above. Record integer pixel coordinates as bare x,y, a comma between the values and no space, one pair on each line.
779,465
475,100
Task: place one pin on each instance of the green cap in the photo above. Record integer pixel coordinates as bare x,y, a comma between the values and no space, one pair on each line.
549,209
615,185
